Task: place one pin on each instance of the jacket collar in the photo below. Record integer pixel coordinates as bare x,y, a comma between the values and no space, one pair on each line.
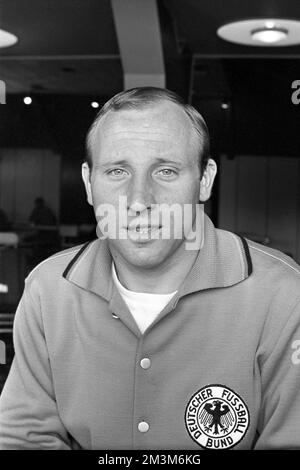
223,260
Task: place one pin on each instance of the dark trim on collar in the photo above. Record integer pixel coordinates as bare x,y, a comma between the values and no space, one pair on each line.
223,261
247,254
73,260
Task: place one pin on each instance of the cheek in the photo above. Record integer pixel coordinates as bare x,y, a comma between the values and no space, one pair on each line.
104,190
187,193
102,193
193,191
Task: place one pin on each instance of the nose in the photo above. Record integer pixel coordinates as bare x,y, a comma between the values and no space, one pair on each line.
139,197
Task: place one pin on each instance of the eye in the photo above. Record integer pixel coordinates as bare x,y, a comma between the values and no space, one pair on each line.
117,172
167,172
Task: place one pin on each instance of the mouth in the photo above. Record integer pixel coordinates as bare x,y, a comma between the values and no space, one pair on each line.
144,229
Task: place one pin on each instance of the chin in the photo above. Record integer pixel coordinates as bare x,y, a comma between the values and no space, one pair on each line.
143,255
144,260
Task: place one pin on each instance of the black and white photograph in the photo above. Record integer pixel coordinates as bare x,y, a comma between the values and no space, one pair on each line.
150,228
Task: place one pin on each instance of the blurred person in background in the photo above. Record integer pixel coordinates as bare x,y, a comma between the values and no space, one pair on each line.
45,240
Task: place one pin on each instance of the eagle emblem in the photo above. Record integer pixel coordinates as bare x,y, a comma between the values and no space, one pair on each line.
216,417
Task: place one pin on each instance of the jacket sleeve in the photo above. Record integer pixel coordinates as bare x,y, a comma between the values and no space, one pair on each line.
279,423
29,416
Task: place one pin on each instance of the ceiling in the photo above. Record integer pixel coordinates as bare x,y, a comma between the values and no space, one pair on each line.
71,46
199,21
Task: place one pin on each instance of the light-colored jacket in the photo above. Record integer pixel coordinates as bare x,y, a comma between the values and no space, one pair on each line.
77,380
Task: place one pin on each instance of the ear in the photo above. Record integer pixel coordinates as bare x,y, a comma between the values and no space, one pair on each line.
207,180
86,176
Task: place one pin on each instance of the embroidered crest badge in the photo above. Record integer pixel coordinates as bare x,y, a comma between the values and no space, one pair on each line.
216,417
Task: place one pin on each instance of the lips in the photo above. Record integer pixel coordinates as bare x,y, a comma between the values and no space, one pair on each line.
143,228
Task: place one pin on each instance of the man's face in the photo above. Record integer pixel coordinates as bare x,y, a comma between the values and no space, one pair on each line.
150,157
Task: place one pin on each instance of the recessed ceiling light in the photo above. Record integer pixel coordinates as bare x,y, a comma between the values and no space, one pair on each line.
224,105
262,32
95,104
27,100
269,35
269,24
7,39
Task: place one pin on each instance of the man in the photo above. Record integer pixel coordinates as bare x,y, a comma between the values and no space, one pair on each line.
146,338
41,214
45,240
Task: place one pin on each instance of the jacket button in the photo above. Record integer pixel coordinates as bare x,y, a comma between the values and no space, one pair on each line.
114,315
143,426
145,363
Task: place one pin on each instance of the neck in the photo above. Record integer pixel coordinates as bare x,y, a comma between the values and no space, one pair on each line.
162,279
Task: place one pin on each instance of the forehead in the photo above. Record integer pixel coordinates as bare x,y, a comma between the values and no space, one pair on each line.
161,122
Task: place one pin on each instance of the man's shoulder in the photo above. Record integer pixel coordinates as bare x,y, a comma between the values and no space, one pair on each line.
54,266
264,257
275,270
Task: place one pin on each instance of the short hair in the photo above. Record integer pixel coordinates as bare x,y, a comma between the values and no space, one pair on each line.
141,97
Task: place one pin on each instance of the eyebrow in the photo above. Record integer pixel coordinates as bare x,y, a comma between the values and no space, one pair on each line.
164,160
157,160
117,162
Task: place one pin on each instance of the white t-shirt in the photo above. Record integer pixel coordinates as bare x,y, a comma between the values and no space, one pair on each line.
144,307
